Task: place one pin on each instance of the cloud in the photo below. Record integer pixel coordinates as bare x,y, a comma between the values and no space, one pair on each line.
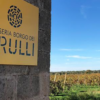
75,67
77,56
97,50
83,10
96,58
67,59
71,49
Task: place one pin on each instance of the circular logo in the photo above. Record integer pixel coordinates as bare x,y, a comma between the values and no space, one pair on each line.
14,16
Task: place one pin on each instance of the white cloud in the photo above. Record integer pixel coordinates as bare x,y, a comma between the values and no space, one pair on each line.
67,59
96,58
77,56
97,50
71,49
83,10
73,67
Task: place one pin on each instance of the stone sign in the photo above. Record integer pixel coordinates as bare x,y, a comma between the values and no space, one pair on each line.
22,38
18,32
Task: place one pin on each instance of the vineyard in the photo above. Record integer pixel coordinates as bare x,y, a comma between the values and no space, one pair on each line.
73,79
76,85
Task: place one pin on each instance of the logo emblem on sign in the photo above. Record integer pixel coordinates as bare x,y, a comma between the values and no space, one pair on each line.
14,16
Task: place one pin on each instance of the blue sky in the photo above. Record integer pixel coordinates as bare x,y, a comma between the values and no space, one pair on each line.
75,35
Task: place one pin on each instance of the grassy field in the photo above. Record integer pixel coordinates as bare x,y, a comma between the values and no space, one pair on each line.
78,92
75,87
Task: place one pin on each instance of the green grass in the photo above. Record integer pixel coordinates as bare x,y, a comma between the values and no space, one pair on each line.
82,96
84,89
79,92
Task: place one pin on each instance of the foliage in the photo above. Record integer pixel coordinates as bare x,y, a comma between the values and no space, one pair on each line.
75,72
83,96
56,87
88,72
82,79
75,87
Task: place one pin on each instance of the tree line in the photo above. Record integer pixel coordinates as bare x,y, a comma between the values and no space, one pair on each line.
76,72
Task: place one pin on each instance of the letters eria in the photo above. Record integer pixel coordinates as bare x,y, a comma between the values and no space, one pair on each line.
16,47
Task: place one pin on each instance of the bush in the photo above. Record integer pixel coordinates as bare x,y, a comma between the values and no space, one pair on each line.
56,88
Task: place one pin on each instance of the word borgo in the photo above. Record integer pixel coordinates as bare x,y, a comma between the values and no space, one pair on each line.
19,35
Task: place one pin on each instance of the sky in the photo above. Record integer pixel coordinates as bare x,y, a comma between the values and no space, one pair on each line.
75,35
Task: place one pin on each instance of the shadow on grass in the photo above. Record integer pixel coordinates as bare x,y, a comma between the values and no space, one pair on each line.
82,96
